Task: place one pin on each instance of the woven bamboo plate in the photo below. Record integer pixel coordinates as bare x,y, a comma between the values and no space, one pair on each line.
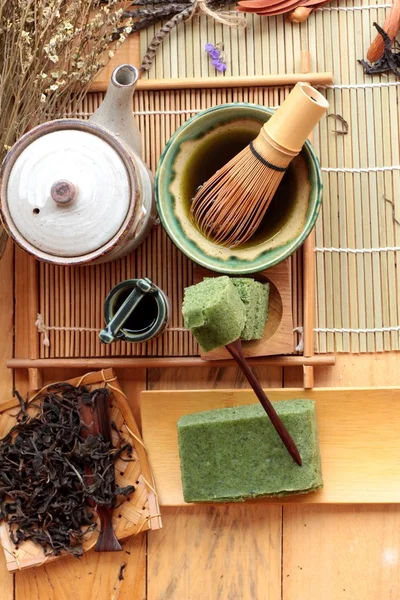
358,430
139,513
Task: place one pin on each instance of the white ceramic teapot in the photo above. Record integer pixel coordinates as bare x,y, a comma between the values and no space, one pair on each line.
78,192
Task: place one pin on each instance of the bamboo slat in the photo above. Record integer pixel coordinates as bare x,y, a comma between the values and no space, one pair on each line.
288,78
322,360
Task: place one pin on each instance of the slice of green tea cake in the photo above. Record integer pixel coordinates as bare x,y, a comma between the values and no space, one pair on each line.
249,294
214,312
232,454
261,310
254,296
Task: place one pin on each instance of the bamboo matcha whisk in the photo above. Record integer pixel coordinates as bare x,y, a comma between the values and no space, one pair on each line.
230,206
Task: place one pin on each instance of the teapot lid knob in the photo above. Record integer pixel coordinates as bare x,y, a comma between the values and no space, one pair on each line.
63,192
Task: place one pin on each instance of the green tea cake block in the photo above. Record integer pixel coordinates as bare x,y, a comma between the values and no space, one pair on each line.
261,310
234,454
214,312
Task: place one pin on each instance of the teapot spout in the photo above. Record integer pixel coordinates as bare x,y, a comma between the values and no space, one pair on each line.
115,112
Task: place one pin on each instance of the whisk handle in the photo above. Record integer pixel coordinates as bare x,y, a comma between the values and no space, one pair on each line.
293,121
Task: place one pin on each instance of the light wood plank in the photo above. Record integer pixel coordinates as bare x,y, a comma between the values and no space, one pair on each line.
94,577
6,319
6,375
201,378
132,382
198,545
352,370
359,541
219,553
6,582
127,53
335,553
26,305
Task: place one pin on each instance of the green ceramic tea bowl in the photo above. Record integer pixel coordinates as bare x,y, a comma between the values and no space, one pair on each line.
204,144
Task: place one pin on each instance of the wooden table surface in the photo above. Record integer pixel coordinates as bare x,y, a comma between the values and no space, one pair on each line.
228,552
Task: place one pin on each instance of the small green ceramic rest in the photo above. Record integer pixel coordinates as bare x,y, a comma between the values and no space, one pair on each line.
135,310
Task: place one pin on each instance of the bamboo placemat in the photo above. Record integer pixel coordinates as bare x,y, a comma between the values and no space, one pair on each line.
358,232
71,299
357,289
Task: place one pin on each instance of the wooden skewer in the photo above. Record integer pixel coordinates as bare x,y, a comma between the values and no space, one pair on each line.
235,349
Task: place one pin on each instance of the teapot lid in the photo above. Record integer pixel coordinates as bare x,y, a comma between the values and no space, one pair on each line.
67,189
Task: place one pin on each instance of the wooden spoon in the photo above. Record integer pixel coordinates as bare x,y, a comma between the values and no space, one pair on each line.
235,349
98,423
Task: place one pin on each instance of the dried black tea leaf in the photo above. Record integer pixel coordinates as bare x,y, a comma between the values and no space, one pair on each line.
389,62
44,491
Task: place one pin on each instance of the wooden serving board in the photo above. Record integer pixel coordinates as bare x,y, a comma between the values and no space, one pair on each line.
358,429
278,332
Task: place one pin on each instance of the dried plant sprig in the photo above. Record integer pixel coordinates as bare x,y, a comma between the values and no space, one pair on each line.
210,8
50,52
157,13
160,36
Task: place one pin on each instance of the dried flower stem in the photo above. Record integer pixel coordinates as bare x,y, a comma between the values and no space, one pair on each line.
160,36
157,13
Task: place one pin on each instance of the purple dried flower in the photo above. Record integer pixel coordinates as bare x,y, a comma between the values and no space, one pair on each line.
215,54
219,65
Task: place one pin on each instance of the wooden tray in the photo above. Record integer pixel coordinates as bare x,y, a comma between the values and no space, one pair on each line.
358,429
70,300
138,514
278,332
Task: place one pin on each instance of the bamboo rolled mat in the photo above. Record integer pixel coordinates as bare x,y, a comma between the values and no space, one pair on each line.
358,232
357,290
71,299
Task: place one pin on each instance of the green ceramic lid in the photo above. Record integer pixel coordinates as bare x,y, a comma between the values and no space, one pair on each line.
196,149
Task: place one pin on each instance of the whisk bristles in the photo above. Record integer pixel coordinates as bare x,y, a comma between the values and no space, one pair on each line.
230,206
